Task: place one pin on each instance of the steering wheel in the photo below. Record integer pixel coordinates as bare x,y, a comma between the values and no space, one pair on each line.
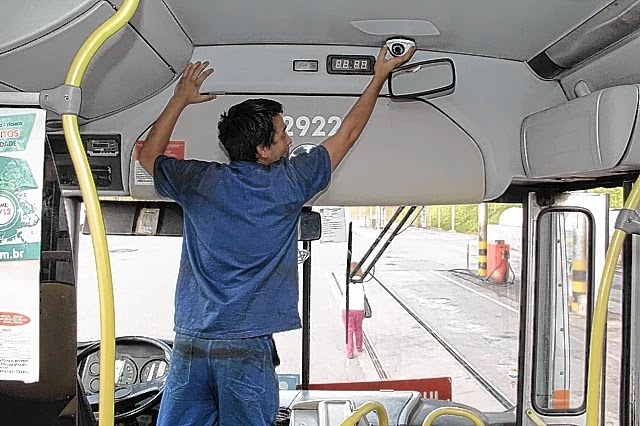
125,395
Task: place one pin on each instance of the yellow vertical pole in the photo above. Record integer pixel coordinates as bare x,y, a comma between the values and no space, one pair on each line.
94,214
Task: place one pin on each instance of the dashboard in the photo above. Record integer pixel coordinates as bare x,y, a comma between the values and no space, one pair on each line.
135,364
142,365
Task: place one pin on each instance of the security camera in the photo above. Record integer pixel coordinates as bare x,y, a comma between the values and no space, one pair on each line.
399,46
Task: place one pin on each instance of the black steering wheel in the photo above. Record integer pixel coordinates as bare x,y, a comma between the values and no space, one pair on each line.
149,392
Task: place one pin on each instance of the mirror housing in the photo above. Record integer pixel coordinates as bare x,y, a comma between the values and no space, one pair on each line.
309,226
427,79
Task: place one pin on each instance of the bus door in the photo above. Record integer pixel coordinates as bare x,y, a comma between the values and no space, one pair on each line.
566,237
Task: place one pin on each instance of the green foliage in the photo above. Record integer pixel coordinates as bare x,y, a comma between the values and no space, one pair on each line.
466,215
440,217
467,218
494,210
615,196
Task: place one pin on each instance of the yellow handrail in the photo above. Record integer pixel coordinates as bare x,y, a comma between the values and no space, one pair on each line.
535,418
367,407
94,214
600,315
453,411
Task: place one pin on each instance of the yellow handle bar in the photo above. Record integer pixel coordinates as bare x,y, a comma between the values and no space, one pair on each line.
596,346
94,214
367,407
453,411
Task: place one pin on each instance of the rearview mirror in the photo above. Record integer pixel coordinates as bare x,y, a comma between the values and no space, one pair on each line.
428,79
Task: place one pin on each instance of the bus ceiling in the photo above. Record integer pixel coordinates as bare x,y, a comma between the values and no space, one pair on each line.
162,35
405,155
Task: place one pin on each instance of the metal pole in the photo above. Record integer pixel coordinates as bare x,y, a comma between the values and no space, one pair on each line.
306,315
373,246
467,257
347,282
20,98
482,240
628,404
386,244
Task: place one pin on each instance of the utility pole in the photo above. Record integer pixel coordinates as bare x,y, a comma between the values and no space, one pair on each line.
425,217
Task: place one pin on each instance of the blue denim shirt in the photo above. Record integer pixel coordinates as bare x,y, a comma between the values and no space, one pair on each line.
238,273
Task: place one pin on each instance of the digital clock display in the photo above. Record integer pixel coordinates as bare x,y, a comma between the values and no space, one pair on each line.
350,64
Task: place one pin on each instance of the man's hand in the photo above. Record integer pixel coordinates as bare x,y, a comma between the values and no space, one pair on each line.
353,124
384,66
187,90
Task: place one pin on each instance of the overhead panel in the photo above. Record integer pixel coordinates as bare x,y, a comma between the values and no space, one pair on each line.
23,21
113,79
617,21
617,67
585,137
5,88
159,28
613,23
409,153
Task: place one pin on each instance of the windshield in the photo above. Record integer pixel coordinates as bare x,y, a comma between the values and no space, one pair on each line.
144,271
430,310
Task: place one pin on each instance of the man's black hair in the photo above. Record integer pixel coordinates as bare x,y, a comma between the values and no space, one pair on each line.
247,125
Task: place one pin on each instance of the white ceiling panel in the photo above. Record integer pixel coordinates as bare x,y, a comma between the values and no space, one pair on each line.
511,29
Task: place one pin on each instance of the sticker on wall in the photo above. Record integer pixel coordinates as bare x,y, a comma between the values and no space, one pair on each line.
22,136
175,149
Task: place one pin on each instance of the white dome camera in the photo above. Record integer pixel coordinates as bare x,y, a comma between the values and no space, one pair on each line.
399,46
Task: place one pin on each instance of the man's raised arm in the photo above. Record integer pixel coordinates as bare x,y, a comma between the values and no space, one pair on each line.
356,119
187,92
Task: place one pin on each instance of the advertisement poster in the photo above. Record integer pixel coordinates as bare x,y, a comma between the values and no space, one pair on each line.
175,149
22,135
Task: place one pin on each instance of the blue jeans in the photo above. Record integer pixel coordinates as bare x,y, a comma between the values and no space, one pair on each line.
221,383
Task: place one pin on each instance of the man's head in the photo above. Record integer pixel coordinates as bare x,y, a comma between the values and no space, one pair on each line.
254,130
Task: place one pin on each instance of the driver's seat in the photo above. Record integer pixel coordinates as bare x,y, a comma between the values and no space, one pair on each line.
57,398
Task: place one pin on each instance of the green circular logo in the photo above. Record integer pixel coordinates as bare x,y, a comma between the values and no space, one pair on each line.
9,213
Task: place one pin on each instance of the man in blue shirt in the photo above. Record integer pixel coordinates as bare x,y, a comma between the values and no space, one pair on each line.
238,278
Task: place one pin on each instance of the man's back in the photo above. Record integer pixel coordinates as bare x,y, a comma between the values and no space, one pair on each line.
238,273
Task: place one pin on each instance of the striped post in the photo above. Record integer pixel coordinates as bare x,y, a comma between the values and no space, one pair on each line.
482,240
579,287
482,258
